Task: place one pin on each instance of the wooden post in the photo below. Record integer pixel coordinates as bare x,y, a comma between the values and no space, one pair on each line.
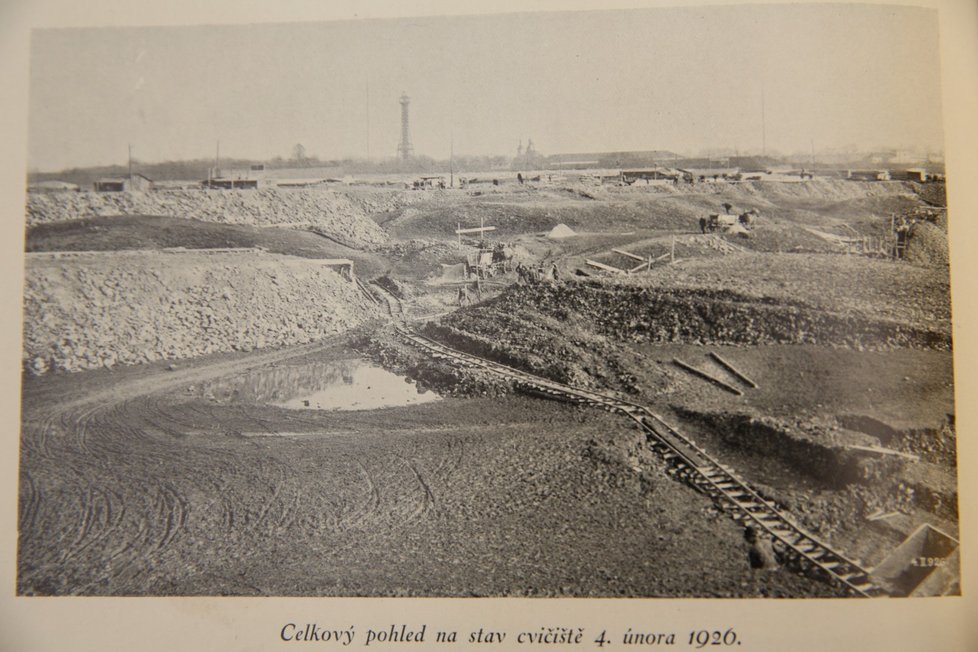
459,232
630,255
705,376
729,367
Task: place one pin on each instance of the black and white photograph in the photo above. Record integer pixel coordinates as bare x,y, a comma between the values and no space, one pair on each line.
631,303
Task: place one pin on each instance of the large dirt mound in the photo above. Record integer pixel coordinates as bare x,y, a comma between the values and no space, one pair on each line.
647,315
791,299
320,210
613,209
93,311
934,194
927,245
157,232
868,288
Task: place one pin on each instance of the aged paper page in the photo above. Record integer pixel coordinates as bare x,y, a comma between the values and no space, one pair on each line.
733,215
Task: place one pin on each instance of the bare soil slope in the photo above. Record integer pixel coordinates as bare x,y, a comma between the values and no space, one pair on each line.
511,497
100,310
149,232
321,210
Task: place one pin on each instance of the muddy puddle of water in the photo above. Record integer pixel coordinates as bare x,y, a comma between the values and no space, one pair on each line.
334,385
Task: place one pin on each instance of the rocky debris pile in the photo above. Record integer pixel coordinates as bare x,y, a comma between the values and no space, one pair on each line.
96,311
934,194
538,343
827,188
874,290
638,314
816,450
429,373
927,245
937,445
321,210
422,258
376,201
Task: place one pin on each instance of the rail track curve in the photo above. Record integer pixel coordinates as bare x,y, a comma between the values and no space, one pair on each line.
800,549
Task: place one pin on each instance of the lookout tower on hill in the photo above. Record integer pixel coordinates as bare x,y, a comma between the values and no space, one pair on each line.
404,149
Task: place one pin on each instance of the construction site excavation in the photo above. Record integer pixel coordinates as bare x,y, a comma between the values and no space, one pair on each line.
647,304
515,383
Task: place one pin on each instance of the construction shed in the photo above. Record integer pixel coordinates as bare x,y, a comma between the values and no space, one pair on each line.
657,174
136,182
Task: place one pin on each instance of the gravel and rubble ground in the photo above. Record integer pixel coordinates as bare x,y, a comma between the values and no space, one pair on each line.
491,496
145,306
321,210
565,329
485,492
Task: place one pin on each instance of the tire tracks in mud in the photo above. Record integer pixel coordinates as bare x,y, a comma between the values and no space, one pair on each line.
123,489
95,502
428,503
373,503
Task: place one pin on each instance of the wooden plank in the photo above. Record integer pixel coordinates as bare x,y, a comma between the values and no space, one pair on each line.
884,451
477,229
607,268
625,253
729,367
705,376
879,515
638,267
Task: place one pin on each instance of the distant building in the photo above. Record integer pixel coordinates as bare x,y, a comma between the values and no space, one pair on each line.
628,177
912,174
136,182
249,178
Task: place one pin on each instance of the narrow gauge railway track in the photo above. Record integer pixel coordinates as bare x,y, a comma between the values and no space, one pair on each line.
395,308
690,463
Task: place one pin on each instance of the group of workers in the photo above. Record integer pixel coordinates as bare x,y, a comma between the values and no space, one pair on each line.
525,275
528,275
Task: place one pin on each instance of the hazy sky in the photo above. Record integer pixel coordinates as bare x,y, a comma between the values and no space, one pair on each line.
680,79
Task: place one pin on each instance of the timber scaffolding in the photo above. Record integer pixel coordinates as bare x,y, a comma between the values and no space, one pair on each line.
691,464
876,246
645,264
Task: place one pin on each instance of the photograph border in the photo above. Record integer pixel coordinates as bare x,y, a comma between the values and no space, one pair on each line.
90,623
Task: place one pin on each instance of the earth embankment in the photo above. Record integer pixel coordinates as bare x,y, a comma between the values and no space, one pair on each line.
797,299
91,311
862,205
330,213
